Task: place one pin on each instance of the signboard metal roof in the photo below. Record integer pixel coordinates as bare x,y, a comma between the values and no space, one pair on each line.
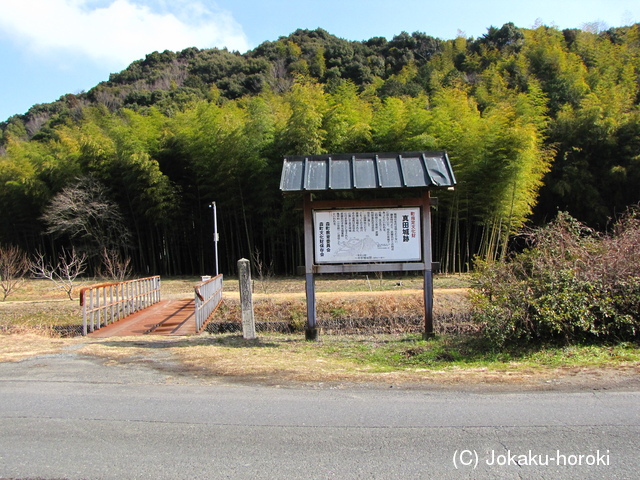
366,171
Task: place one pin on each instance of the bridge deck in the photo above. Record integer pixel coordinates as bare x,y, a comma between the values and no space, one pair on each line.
167,317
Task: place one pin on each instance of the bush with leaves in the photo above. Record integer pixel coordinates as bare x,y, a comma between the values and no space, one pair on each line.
569,285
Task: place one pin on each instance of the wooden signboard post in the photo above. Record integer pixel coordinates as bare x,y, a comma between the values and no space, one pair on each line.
367,236
382,235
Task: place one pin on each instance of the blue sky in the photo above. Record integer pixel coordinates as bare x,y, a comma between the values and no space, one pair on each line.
49,48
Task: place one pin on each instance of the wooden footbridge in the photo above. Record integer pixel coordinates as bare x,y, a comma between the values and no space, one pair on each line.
134,307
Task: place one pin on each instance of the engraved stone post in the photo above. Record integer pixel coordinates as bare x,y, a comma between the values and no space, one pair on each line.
246,299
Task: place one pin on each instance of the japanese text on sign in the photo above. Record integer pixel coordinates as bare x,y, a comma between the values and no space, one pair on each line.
371,235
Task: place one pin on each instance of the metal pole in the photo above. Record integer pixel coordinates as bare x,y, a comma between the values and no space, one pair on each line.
216,237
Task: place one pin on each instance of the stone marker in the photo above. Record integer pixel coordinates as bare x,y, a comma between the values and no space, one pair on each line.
246,299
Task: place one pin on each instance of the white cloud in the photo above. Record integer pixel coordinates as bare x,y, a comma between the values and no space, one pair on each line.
117,31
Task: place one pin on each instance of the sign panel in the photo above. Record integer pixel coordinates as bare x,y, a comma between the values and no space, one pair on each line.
367,235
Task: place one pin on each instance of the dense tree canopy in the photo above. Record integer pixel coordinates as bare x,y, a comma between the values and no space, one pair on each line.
534,120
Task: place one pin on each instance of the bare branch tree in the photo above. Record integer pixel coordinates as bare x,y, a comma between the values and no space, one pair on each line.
264,271
85,212
69,267
13,265
114,267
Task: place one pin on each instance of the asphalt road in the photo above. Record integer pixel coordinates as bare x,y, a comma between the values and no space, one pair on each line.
68,417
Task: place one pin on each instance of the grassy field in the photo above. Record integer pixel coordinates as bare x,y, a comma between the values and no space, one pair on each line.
37,303
399,357
336,361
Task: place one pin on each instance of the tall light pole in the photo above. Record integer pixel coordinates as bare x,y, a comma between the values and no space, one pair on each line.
216,237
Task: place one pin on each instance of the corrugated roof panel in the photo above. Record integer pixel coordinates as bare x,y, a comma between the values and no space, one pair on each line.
390,173
292,175
439,169
413,171
341,174
366,171
317,177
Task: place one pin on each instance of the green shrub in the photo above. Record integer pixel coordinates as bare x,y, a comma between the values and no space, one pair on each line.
570,284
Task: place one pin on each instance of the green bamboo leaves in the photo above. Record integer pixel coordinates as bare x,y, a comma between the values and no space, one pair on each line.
533,120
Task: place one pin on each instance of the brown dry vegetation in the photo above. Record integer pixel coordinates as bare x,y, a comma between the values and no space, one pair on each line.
37,303
398,359
399,311
334,362
23,343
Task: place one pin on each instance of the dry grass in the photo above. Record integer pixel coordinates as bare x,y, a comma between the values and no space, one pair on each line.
340,360
39,314
351,283
337,359
398,311
24,343
42,289
284,360
37,303
267,360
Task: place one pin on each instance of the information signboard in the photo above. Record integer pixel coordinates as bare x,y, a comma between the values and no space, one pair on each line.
367,235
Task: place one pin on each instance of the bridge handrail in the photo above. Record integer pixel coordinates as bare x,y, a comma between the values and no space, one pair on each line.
208,296
119,299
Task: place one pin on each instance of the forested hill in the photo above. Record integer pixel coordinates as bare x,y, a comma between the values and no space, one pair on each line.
534,120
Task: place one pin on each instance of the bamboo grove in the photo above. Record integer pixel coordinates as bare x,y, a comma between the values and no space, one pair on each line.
534,121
